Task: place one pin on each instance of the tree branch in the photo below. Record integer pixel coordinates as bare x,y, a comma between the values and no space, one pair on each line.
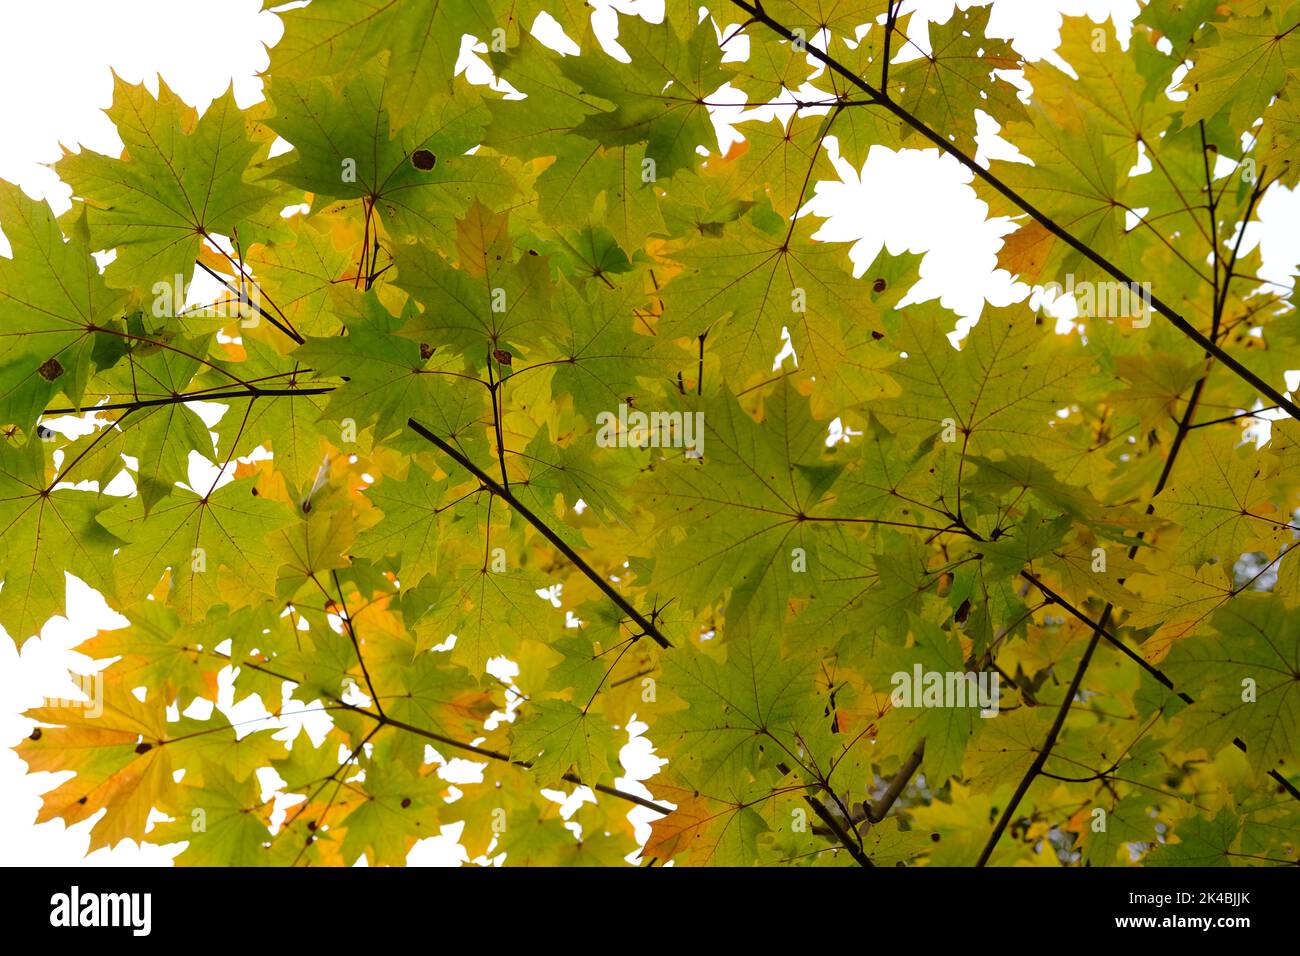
1064,710
647,627
1180,323
891,19
208,396
246,301
386,721
834,826
1146,665
876,812
356,644
503,758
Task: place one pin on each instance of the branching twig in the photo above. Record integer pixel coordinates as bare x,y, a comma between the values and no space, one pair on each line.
1042,218
356,643
504,758
834,826
1146,665
201,396
247,301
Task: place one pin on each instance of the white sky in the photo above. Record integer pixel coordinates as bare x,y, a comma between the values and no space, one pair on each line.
55,63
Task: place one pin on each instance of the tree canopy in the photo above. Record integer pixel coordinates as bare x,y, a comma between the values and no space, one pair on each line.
497,378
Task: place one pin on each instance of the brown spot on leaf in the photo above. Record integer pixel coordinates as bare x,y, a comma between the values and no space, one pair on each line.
502,356
963,612
50,369
426,350
423,160
880,285
143,748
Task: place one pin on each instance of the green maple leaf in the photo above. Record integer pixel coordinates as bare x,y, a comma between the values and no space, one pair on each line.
1224,504
387,378
156,652
661,101
415,180
991,395
782,159
217,823
761,276
161,437
202,537
600,349
557,737
945,87
51,299
746,522
417,511
743,714
399,807
1127,823
44,530
339,37
1245,680
1243,63
483,608
182,179
543,839
948,729
491,299
301,276
1201,842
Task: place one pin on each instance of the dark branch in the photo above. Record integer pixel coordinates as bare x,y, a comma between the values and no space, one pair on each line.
252,392
1146,665
876,812
356,643
246,301
647,627
1043,219
503,758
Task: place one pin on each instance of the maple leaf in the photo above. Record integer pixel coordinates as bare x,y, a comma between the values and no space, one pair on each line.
558,737
182,180
1251,689
417,180
48,315
1244,66
38,523
118,757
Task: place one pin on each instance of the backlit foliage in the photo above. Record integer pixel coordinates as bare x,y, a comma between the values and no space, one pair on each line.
415,370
